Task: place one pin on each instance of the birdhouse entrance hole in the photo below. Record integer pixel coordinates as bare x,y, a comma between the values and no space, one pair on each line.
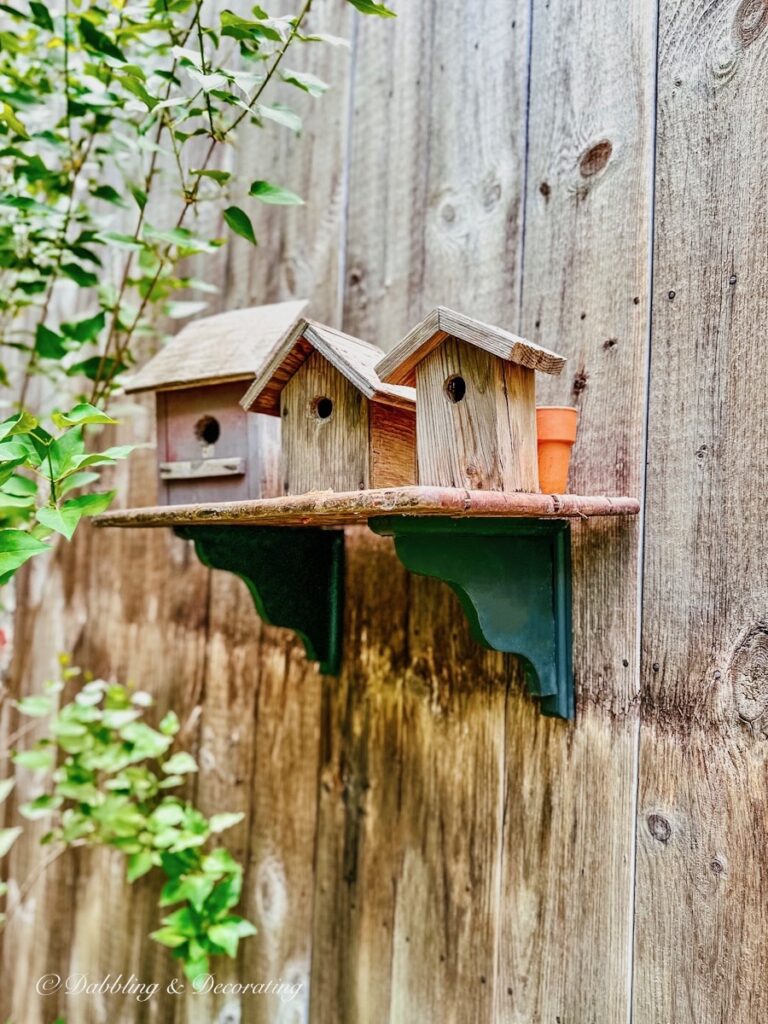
322,407
207,430
455,388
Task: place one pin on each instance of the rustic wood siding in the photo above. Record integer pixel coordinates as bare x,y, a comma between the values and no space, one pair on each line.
421,845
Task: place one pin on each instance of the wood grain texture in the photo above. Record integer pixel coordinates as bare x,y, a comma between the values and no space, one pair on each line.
255,440
400,365
392,440
303,244
483,436
567,878
411,811
701,938
329,453
326,508
228,346
354,358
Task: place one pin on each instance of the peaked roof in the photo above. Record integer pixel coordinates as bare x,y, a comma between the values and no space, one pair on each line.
399,365
229,346
353,358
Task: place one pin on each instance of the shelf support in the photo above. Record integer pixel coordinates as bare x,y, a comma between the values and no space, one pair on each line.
295,577
513,579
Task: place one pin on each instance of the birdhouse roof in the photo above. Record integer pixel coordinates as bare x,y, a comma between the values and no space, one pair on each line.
399,365
353,358
214,349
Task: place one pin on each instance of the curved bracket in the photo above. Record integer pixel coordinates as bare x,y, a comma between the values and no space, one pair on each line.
295,577
513,578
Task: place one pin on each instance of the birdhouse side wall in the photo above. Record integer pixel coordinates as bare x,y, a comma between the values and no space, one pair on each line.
213,448
319,451
392,446
476,420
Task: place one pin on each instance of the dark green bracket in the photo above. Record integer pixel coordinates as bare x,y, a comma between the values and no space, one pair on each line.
513,578
295,576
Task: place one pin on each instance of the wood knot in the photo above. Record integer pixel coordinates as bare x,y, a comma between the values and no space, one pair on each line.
595,158
545,189
748,675
660,828
580,382
751,20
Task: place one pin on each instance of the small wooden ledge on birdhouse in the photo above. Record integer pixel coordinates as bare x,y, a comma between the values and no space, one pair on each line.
208,449
475,401
342,428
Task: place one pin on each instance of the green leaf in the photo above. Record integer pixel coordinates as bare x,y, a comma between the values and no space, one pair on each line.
280,115
49,344
87,329
76,480
41,807
41,16
274,194
82,277
38,759
180,764
168,937
16,547
220,177
81,414
305,81
6,786
369,7
21,423
221,822
240,223
169,725
8,837
34,706
109,194
139,864
94,366
96,40
61,520
8,116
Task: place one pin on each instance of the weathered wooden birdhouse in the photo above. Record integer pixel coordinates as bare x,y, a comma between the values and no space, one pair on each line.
208,448
342,428
476,406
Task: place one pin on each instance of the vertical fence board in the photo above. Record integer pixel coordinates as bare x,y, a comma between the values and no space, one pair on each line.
409,837
701,940
569,824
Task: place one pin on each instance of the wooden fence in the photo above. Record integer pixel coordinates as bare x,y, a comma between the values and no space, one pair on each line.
421,845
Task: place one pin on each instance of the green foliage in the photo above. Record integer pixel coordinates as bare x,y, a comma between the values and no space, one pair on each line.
39,471
108,779
112,118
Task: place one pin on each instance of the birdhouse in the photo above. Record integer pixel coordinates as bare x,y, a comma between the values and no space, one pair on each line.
476,406
208,448
342,428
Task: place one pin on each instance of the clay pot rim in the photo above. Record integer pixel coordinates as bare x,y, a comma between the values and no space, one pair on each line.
558,408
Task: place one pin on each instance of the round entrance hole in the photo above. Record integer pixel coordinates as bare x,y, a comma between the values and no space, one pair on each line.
455,389
322,407
207,430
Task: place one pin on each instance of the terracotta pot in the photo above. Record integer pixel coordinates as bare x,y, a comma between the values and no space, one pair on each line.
556,430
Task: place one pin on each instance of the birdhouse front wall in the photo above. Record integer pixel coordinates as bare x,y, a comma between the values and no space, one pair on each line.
476,420
324,430
393,445
210,449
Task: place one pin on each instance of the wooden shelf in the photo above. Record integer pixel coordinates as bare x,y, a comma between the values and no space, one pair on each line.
329,508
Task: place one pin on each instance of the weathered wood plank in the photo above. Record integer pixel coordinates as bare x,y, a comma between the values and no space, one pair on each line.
701,938
345,508
568,839
411,805
482,436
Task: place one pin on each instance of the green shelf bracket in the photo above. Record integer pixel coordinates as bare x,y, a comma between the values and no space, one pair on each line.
513,578
295,577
